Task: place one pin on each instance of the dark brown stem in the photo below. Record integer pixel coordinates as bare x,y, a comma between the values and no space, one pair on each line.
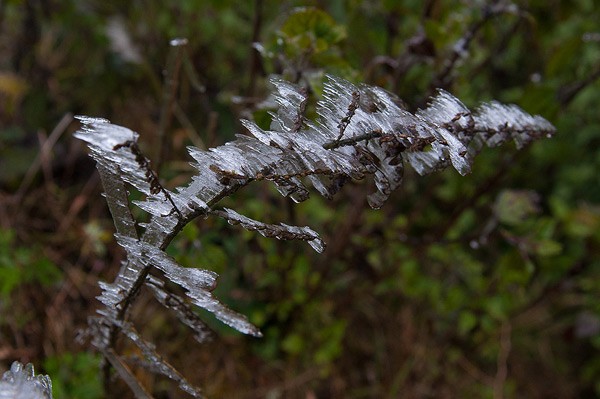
444,78
482,189
126,374
502,361
175,58
353,140
256,67
567,93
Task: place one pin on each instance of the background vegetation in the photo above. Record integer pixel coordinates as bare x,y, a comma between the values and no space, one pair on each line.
484,286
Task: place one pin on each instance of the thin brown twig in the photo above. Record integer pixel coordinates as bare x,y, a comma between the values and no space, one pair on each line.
78,203
500,48
171,82
567,93
482,189
352,140
490,10
211,127
502,361
44,153
474,371
126,374
188,126
287,384
255,58
45,164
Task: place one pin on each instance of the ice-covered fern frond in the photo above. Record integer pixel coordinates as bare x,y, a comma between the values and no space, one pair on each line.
360,131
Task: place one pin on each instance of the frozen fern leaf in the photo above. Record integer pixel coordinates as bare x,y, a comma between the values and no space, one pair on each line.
361,131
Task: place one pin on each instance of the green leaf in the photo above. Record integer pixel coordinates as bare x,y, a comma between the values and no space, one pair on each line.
313,24
513,207
75,375
583,221
293,344
466,321
310,31
548,248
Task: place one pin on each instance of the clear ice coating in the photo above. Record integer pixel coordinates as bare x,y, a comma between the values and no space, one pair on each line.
502,122
20,382
182,310
198,283
280,231
154,361
360,131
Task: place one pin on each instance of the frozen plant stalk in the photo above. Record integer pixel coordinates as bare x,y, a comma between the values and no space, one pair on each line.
360,132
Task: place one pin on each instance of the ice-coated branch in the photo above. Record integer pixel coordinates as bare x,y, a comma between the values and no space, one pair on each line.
280,231
360,131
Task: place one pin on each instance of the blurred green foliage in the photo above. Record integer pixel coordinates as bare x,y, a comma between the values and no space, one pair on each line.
75,375
21,265
433,295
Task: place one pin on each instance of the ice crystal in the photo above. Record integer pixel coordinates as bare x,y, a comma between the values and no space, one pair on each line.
360,131
20,382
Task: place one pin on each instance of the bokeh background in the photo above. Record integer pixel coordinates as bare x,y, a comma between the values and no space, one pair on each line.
484,286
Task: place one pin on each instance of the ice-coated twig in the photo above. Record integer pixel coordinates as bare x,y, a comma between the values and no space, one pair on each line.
360,131
181,308
156,362
280,231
